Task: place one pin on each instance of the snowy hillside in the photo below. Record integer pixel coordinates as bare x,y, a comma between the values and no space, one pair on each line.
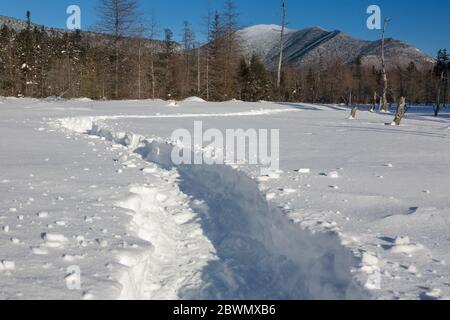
94,38
309,45
261,39
357,210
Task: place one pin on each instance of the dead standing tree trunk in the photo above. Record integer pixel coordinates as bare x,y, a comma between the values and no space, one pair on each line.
374,105
400,111
354,106
384,105
443,84
280,61
353,113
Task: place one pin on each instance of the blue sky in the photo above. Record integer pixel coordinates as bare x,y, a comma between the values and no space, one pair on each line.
424,24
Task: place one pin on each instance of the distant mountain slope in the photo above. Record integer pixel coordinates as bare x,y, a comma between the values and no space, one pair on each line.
312,44
92,37
13,23
301,46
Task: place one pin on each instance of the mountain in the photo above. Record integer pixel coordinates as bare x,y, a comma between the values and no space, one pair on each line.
301,46
94,38
13,23
312,44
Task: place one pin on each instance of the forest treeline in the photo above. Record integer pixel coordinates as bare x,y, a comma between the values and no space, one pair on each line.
124,60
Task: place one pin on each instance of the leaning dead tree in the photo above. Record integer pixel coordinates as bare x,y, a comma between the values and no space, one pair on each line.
384,104
283,24
400,111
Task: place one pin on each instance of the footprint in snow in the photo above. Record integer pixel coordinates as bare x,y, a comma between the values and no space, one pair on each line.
289,191
43,214
432,294
54,240
333,175
15,241
6,265
39,251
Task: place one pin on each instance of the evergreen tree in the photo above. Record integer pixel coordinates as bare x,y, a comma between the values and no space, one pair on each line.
216,59
254,83
187,41
25,51
441,70
7,79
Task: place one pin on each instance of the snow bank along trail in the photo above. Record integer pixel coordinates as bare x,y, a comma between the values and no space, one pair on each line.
215,236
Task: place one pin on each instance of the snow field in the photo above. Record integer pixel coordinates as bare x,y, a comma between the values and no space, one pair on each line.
258,253
112,203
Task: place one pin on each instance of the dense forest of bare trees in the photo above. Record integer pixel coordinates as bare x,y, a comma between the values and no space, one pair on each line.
124,60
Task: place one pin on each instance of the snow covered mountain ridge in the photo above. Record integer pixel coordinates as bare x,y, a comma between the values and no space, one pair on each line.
15,24
313,44
94,37
305,46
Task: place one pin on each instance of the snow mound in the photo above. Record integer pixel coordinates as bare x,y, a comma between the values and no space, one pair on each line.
173,103
82,99
55,99
194,99
232,101
79,125
6,265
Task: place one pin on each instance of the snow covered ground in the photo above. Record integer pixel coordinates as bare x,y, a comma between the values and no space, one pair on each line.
358,210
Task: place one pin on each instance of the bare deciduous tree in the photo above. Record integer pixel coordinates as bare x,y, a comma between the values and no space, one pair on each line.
280,61
152,34
384,105
118,18
231,46
188,41
208,52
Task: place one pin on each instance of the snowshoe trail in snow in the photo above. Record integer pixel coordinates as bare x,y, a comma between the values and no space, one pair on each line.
214,235
179,249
